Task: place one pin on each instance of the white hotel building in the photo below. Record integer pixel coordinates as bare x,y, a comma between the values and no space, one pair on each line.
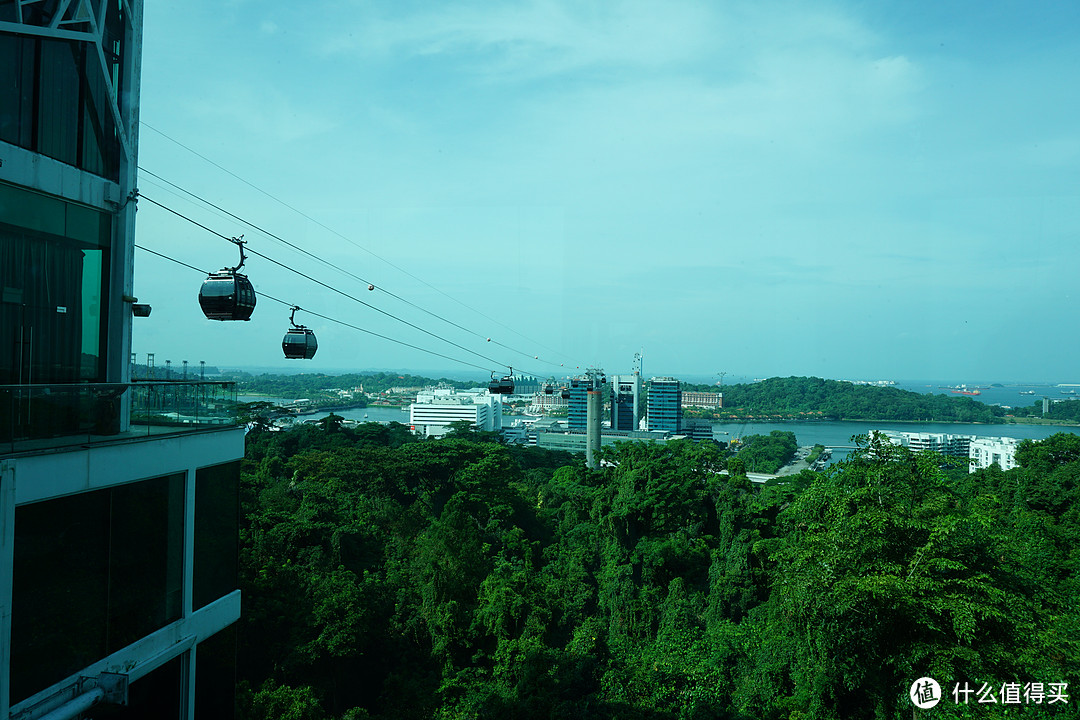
981,451
987,451
119,500
436,408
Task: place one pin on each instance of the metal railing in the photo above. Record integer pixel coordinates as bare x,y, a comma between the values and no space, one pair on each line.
34,417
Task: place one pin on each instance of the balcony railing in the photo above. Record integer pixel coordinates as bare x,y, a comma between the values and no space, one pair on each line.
34,417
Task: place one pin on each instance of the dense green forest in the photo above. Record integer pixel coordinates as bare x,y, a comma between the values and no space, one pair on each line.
836,400
386,577
768,453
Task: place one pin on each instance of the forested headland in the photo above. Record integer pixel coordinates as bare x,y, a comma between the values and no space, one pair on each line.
811,397
389,577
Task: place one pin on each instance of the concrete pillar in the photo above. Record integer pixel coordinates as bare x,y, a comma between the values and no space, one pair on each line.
593,413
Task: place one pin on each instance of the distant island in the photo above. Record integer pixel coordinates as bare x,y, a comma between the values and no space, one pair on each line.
816,398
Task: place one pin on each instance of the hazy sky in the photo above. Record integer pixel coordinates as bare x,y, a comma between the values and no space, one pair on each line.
845,189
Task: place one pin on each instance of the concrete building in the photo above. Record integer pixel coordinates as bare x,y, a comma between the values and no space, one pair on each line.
943,443
119,500
697,429
981,451
627,393
436,408
665,404
987,451
693,398
543,403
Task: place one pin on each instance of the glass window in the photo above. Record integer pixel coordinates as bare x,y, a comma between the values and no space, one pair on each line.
58,100
16,89
55,100
93,573
215,676
217,532
53,279
146,561
60,590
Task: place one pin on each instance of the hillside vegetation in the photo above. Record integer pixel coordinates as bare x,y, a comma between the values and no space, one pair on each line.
386,577
809,397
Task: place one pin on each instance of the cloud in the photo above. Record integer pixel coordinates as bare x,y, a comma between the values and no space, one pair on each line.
534,39
259,110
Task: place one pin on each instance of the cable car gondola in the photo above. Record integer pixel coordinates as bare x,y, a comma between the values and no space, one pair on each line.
505,386
299,342
226,294
565,392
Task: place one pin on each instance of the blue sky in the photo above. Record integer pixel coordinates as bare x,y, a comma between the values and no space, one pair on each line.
763,188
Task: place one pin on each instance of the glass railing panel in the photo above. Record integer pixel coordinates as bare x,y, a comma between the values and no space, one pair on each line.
55,415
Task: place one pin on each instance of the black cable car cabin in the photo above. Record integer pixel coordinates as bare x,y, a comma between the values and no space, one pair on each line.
505,386
226,294
299,342
565,392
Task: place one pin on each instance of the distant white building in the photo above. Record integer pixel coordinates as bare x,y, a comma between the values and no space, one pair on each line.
982,451
943,443
436,408
1000,451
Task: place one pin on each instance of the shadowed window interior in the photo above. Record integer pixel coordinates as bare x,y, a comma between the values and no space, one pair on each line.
217,516
93,573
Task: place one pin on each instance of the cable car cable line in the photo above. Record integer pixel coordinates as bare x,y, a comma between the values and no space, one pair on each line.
330,319
301,213
370,285
328,287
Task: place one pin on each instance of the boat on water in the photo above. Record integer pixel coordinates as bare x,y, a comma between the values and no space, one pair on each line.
1027,392
963,390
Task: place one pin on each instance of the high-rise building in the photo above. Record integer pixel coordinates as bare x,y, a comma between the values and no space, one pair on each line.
119,500
665,404
577,405
626,405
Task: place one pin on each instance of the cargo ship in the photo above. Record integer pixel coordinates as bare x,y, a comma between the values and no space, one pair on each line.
962,390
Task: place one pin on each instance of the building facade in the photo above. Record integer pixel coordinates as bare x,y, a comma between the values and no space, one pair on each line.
626,402
942,443
119,500
693,398
436,408
665,404
577,404
987,451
